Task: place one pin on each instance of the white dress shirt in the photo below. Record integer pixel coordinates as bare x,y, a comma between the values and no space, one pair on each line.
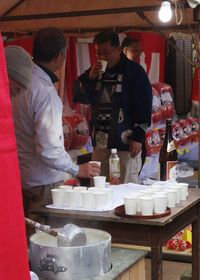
37,115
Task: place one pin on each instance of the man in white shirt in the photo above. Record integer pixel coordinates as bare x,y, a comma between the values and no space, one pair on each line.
37,114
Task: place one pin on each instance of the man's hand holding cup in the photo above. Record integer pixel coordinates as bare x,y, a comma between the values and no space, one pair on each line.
97,69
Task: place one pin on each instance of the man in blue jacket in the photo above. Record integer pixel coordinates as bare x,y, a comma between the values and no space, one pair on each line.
121,100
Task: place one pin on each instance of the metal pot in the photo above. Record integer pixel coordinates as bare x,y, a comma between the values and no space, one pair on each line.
50,262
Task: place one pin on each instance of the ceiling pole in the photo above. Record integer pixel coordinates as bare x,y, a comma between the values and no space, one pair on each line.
13,8
123,10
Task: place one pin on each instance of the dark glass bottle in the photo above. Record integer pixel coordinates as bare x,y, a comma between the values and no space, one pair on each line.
168,155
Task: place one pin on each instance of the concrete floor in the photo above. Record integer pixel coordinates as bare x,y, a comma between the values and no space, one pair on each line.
171,270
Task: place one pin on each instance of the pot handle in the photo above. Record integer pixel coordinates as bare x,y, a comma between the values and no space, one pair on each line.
50,264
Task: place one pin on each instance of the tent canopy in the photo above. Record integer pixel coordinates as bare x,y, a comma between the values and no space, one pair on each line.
87,17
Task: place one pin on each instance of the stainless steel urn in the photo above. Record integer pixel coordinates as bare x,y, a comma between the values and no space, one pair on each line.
51,262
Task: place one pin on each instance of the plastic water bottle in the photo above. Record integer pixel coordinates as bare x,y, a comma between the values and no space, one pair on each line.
114,168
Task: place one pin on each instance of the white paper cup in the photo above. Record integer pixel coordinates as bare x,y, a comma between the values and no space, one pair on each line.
148,192
110,194
146,204
104,64
178,193
171,197
99,181
160,203
58,197
138,195
157,188
97,162
184,193
74,199
79,188
100,200
87,198
65,187
184,190
130,204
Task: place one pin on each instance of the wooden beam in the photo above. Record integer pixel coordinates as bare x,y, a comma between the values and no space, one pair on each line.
13,8
96,30
124,10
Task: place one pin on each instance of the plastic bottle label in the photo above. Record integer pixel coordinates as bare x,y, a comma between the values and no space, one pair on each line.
171,170
114,168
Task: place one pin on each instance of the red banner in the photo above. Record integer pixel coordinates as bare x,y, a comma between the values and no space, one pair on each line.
13,252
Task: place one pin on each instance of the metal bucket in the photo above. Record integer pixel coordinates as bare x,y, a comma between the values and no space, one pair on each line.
50,262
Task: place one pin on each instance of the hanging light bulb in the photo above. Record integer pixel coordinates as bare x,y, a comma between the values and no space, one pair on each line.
165,12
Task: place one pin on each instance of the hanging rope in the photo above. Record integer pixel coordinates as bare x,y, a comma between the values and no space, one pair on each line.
178,12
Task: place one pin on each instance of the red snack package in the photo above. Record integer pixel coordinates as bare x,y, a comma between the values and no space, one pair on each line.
167,103
75,129
176,132
72,182
172,244
156,106
194,123
183,245
152,142
185,131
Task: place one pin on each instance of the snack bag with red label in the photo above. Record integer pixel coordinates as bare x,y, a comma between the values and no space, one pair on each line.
194,123
176,132
75,129
156,107
152,142
167,103
185,131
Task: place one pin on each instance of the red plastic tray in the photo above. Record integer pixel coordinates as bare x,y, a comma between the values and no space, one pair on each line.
120,211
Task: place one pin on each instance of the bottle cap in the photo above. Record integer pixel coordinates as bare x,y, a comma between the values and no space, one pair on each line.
113,151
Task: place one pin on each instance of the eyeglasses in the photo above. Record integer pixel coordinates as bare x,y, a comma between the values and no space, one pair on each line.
134,51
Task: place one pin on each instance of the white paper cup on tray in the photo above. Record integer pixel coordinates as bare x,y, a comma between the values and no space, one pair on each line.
160,203
58,197
131,204
87,198
148,192
178,193
99,181
74,199
146,204
80,188
65,187
100,199
171,197
184,190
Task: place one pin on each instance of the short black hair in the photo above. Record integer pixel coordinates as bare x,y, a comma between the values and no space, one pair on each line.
107,36
128,41
48,43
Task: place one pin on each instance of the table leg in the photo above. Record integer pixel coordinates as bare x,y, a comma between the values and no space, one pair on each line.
196,247
156,262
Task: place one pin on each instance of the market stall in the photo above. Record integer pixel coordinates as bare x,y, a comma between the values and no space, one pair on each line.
21,19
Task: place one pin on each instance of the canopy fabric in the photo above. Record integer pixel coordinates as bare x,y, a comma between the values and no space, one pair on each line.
80,16
13,253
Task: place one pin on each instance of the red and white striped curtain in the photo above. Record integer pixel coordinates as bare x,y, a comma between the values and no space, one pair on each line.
81,55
